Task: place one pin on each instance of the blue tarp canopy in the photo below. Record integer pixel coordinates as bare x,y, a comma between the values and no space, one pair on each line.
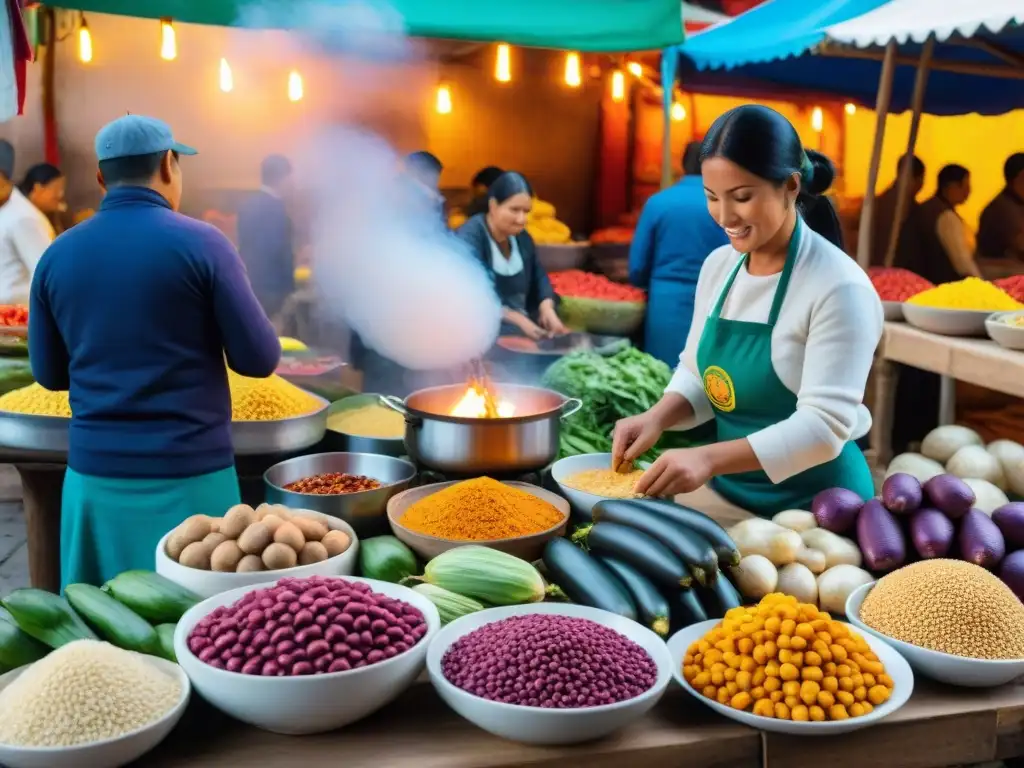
774,46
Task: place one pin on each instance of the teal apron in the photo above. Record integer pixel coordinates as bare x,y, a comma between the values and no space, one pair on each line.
109,524
735,358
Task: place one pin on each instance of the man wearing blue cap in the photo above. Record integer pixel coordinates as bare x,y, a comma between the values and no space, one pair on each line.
135,311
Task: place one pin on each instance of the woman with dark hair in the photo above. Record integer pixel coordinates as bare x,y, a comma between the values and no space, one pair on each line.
498,238
44,186
784,330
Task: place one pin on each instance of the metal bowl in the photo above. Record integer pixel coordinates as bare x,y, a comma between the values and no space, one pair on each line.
893,310
261,438
1004,334
45,437
336,440
363,510
946,322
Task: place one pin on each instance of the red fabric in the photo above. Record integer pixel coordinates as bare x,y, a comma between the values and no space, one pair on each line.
22,48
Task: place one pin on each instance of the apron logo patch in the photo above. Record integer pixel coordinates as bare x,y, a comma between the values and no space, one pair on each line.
719,389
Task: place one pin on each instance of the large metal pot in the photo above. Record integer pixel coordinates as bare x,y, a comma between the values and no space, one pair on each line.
460,446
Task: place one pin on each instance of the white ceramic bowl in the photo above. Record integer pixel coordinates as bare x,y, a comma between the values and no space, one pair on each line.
310,703
946,322
893,310
1009,336
895,666
944,667
582,502
534,725
210,583
108,753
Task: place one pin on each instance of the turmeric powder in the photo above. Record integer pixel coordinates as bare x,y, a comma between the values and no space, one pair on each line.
481,509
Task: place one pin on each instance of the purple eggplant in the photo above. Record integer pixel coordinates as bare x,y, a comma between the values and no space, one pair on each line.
950,494
880,538
981,541
1011,571
836,509
932,533
901,493
1010,519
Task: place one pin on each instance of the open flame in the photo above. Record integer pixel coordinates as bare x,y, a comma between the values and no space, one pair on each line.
479,402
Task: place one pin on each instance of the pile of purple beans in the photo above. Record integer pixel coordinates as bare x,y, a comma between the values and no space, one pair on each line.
307,627
550,661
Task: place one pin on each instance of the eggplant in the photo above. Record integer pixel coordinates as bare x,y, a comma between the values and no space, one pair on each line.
931,532
726,549
1011,571
836,509
643,552
693,549
651,606
981,541
586,581
720,597
1010,519
687,609
950,494
880,538
902,493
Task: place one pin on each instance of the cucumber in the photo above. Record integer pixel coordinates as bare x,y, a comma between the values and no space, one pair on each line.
450,606
699,523
115,623
17,648
46,617
643,552
692,548
586,581
154,598
687,610
165,634
387,559
651,606
720,597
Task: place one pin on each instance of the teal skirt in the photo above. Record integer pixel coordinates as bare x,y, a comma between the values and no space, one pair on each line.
109,525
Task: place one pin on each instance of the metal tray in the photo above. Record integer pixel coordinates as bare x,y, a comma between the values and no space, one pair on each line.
45,437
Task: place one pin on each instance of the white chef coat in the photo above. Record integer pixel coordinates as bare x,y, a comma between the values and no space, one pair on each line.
25,233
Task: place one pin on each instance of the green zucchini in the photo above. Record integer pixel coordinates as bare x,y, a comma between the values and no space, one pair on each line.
114,622
720,597
692,548
651,606
485,574
686,609
154,598
46,617
643,552
165,635
699,523
585,580
387,559
17,648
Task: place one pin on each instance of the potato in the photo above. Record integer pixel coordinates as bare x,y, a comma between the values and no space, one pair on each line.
250,564
273,522
214,539
263,510
194,528
312,552
236,520
288,533
312,530
196,555
226,557
279,556
281,511
336,542
255,539
176,544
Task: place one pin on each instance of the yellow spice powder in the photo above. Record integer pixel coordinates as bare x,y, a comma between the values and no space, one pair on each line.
971,293
606,482
369,421
36,401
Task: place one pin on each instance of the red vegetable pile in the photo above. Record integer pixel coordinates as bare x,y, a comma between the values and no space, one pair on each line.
13,315
1013,285
307,627
576,283
895,284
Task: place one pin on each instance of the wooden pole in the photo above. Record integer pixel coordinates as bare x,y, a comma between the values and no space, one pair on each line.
978,69
903,183
881,111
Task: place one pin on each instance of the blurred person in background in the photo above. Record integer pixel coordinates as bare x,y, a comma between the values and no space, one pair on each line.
1001,227
25,233
674,236
44,185
885,209
424,172
481,183
944,244
265,236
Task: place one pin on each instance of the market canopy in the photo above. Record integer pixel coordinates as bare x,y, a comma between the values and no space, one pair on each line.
581,25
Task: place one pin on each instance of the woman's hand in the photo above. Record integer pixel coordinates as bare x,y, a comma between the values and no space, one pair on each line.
550,320
678,471
531,329
634,436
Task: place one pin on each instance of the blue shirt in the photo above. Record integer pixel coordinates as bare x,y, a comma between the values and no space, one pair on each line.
265,242
134,311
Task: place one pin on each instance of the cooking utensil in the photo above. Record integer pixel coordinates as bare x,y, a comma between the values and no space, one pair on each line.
336,440
522,443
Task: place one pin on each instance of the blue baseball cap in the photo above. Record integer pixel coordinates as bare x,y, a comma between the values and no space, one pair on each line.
137,135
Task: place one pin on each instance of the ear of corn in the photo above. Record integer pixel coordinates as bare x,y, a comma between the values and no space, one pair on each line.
494,577
449,605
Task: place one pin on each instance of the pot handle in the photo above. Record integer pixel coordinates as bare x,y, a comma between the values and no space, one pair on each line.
573,404
396,404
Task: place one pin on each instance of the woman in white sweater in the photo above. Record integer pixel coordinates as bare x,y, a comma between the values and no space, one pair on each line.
784,331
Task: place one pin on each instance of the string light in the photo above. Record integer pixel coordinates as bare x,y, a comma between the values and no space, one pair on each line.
573,77
503,64
168,41
817,119
227,82
294,86
84,42
443,103
635,68
618,85
851,109
678,112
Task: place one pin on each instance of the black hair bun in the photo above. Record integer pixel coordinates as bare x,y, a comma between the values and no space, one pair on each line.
823,176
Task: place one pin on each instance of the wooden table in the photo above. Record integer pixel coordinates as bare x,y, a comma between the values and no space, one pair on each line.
976,361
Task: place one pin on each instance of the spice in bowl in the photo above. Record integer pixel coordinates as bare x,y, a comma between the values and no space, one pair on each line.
481,509
787,660
333,484
605,482
971,293
549,661
949,606
369,421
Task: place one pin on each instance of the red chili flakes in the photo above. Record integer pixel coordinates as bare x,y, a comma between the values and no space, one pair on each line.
895,284
333,484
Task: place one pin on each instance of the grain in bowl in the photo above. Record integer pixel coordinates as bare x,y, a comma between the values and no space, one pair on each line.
606,482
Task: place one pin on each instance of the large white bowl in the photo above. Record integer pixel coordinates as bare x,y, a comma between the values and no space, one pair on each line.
534,725
893,310
1009,336
944,667
108,753
946,322
210,583
308,703
895,666
582,502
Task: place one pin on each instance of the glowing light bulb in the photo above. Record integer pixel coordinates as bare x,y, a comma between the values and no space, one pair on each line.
635,69
168,41
443,104
503,64
817,119
573,77
851,109
618,85
678,112
227,82
84,43
294,86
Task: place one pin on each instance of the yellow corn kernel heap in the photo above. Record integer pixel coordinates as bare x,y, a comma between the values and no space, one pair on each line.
36,401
